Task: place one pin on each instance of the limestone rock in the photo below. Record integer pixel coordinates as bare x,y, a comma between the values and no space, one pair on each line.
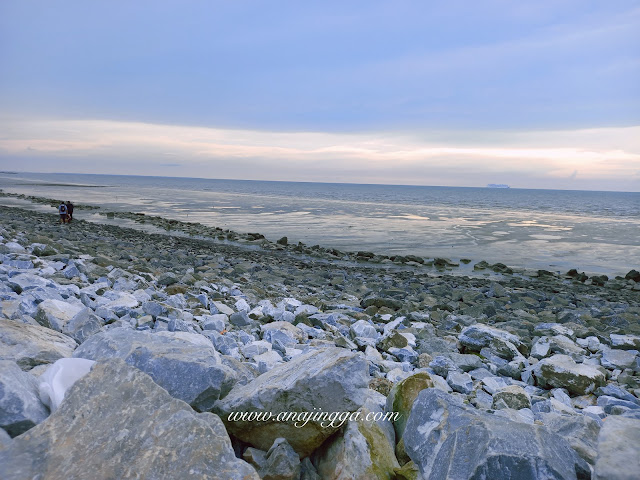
325,380
447,440
561,371
185,364
31,345
20,406
117,423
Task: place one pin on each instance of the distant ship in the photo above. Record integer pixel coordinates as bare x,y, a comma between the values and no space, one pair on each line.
498,185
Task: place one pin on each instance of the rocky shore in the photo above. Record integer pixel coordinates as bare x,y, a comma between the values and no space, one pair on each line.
515,374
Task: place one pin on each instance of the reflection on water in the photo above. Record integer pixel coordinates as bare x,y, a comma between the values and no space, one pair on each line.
593,231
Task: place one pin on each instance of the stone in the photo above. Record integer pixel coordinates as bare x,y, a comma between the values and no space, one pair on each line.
32,345
185,364
361,452
55,314
402,396
83,325
167,278
512,396
290,330
580,431
324,380
281,462
20,405
59,377
618,450
613,358
561,371
217,322
117,423
477,336
447,440
460,382
363,329
625,342
240,319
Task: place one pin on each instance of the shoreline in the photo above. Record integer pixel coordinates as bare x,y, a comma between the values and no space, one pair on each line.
455,266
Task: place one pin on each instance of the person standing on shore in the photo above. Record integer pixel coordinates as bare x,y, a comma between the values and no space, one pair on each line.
69,211
62,210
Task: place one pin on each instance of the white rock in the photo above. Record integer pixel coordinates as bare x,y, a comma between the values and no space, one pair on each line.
59,377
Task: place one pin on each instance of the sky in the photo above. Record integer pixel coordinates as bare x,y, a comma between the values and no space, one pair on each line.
542,94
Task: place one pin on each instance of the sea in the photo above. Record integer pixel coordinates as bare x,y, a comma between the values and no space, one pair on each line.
595,232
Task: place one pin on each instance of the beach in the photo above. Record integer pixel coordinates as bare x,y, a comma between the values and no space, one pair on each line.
524,353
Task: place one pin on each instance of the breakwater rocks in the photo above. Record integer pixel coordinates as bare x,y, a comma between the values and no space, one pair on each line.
218,361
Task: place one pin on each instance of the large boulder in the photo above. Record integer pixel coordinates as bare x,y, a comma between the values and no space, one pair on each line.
20,405
185,364
450,441
313,386
618,449
560,371
32,345
117,423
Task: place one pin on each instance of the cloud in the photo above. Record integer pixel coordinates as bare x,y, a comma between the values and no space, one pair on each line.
607,156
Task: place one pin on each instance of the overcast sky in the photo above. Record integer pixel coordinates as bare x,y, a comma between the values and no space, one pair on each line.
536,94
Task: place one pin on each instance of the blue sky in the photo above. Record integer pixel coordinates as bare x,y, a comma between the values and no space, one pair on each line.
541,94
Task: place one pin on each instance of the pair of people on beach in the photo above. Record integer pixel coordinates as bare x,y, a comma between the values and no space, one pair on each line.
66,212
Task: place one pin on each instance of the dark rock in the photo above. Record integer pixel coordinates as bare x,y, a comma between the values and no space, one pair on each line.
447,440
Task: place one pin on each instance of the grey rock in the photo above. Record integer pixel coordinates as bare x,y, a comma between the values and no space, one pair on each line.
20,405
609,404
364,329
442,365
512,396
215,322
613,358
503,343
618,450
460,382
625,342
5,439
240,319
281,462
167,278
561,371
361,451
117,423
55,314
447,440
617,392
83,325
580,431
31,345
185,364
326,380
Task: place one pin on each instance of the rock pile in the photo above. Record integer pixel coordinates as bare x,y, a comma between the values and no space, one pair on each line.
202,349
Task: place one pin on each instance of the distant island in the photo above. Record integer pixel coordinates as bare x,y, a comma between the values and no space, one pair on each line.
498,185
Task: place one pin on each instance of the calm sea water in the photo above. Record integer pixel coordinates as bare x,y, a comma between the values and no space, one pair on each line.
552,229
